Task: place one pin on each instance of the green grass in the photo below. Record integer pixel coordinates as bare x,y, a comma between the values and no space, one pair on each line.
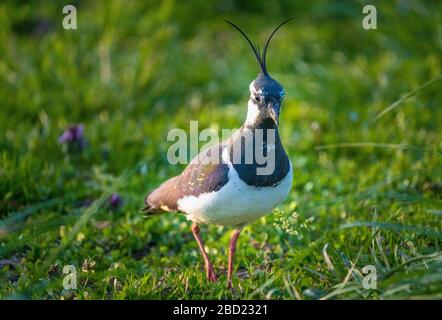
367,190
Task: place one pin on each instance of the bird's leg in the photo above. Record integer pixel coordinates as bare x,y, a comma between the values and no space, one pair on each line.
232,247
210,273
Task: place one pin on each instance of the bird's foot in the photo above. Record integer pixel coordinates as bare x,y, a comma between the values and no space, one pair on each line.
210,274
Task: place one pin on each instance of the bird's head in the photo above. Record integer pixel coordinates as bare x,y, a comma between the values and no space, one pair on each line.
266,94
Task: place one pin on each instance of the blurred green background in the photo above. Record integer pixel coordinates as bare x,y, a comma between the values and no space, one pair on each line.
365,192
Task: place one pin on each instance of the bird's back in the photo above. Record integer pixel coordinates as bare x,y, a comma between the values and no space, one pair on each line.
205,173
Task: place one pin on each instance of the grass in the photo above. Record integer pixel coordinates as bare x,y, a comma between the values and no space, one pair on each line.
361,123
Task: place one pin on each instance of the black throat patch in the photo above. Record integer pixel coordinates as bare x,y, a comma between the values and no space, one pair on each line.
243,155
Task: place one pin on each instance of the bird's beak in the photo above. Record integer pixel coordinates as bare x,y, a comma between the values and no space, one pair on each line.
273,113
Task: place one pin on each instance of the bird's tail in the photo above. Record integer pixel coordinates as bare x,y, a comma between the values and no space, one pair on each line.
150,208
161,199
146,210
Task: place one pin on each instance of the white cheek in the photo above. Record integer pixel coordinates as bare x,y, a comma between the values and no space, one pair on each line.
252,86
252,112
253,91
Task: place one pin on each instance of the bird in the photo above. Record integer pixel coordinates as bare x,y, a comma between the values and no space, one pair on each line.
223,185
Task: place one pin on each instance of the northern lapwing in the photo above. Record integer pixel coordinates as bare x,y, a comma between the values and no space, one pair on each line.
220,186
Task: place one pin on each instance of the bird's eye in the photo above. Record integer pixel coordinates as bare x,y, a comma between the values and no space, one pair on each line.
257,98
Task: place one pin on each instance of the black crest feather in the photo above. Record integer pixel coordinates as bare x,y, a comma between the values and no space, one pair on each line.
260,56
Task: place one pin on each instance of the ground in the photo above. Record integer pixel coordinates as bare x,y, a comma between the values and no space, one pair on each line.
363,219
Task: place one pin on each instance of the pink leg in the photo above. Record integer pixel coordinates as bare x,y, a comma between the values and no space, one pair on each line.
210,273
232,247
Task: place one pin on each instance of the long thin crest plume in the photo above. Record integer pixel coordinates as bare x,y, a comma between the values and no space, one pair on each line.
252,45
264,53
260,56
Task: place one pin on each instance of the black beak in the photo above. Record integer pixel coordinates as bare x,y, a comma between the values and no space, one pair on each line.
273,113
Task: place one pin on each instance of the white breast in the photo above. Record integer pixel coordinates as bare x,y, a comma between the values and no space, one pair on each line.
236,202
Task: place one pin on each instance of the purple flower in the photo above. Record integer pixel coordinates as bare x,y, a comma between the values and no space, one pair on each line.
115,201
73,136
